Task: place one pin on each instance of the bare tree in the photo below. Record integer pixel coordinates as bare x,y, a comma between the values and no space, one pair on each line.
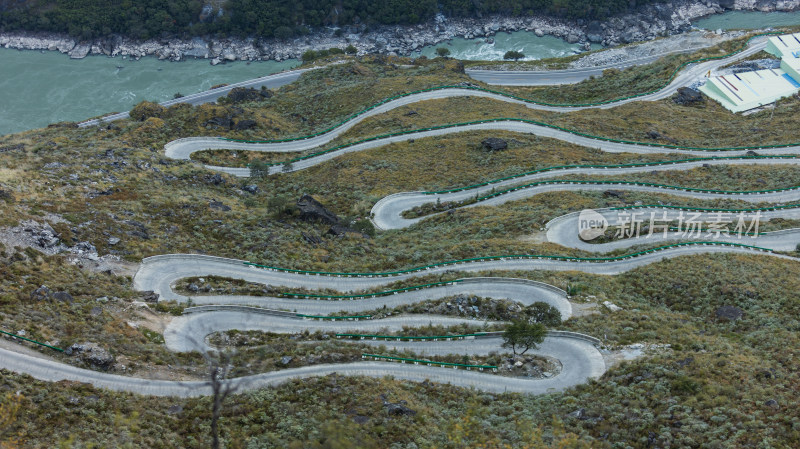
219,368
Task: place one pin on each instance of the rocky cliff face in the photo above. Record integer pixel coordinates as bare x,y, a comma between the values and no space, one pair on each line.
646,23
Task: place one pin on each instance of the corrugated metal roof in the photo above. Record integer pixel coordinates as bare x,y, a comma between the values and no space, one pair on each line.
748,90
785,45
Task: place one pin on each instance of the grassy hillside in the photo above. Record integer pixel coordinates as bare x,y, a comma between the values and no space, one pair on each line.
718,384
701,381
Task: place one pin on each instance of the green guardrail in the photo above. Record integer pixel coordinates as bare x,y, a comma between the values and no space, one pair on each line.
519,120
369,295
32,341
632,183
596,166
568,105
427,362
626,183
699,230
706,209
512,256
409,337
322,317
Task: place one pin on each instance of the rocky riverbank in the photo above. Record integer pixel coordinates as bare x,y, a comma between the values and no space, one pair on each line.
644,24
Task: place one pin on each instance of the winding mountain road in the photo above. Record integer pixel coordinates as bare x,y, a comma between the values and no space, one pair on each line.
492,77
580,359
564,230
561,77
387,213
522,291
578,371
183,148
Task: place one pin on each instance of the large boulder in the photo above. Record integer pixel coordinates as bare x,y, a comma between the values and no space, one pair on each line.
139,229
84,247
688,96
63,297
42,236
397,408
44,293
594,32
41,293
149,296
339,230
242,125
215,179
313,210
218,205
494,144
223,122
729,313
92,354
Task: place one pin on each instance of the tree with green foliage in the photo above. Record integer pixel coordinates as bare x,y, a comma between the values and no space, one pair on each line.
513,54
259,168
148,19
522,334
283,32
443,52
351,49
309,55
541,312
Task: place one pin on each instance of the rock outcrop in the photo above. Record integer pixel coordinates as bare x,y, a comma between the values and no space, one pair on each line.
313,210
92,354
494,144
688,96
729,313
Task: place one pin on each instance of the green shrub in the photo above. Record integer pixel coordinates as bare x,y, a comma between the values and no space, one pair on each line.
259,168
280,205
309,55
541,312
283,32
513,54
146,110
365,226
683,384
